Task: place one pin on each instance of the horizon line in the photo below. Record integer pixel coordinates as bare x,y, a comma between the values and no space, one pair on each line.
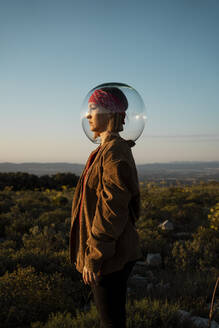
74,163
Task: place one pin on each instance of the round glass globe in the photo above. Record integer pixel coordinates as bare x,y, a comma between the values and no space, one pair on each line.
135,117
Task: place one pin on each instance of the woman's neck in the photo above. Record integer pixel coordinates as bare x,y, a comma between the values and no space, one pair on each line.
104,134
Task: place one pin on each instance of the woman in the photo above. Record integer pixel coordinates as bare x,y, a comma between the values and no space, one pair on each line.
104,243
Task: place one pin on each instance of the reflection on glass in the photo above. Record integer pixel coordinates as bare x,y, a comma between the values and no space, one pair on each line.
135,114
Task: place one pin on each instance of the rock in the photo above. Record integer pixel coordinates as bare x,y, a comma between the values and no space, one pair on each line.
138,277
141,263
200,322
161,285
150,275
166,225
150,287
184,315
139,267
203,322
138,281
214,324
154,259
197,321
129,291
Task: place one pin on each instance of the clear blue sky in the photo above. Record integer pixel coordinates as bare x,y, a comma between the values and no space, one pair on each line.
53,52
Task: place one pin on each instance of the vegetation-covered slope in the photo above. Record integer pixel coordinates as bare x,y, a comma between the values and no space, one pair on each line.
39,288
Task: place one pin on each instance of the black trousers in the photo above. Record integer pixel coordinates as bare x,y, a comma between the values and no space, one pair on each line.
110,297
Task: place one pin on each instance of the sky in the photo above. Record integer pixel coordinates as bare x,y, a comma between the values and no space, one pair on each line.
53,52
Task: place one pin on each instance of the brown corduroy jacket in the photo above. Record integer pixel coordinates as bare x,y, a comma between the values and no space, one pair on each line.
106,237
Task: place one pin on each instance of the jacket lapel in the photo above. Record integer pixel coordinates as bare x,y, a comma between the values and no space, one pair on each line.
96,159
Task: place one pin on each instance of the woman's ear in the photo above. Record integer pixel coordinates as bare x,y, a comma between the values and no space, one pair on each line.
115,123
111,123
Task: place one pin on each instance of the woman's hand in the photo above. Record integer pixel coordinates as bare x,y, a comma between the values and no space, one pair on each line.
89,277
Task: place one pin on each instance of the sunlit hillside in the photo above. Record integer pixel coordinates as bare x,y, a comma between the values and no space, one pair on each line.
39,288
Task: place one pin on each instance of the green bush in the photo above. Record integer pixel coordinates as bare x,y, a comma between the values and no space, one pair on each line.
186,206
199,254
26,296
142,314
152,242
213,217
7,250
66,320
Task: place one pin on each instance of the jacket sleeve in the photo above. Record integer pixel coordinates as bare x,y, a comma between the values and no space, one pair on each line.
111,213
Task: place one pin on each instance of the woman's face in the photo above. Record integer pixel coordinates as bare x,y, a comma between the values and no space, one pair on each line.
98,117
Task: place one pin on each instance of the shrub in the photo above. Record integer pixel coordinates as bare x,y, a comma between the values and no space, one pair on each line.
141,314
213,217
199,254
26,296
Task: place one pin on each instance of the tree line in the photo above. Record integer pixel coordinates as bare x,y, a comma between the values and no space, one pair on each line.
25,181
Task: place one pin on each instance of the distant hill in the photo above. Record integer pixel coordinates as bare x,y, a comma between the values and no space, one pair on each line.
180,171
155,171
42,168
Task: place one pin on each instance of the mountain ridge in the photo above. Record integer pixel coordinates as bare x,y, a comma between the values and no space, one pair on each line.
183,170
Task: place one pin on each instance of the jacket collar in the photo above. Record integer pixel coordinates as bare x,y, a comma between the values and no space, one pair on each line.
108,138
111,136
